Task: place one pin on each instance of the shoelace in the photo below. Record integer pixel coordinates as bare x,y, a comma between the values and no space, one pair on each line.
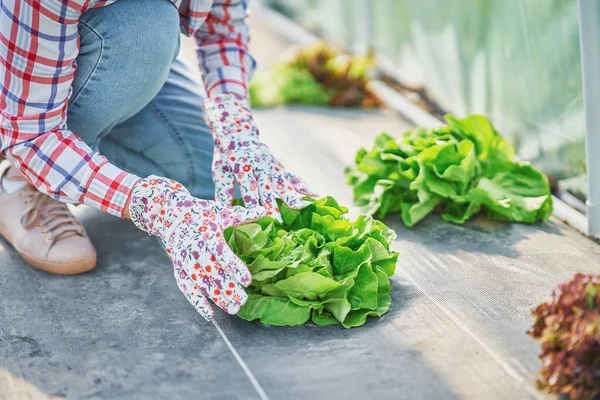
54,218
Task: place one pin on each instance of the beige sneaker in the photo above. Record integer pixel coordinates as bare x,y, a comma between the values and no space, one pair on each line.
42,230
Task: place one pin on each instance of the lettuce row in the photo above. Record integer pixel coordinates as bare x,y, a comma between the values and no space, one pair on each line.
315,265
460,169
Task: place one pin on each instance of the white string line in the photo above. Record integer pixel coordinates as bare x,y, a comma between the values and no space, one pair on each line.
249,374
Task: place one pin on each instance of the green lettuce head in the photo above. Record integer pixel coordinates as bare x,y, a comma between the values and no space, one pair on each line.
459,169
315,265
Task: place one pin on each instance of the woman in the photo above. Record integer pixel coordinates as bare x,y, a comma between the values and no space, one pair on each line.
96,108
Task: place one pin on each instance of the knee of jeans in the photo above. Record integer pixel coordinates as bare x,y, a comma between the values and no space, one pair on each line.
156,42
135,45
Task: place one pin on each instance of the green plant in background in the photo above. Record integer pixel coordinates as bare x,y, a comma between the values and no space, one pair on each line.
460,169
568,329
315,265
285,85
315,75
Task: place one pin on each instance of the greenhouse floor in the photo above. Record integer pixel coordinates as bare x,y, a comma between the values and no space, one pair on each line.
461,301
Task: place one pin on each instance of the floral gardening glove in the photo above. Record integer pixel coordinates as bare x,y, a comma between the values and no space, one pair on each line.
192,232
241,156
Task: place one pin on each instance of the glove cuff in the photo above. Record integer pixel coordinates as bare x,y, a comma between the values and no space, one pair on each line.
227,114
155,205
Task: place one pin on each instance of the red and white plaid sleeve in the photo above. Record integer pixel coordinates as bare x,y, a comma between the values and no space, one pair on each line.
222,40
38,47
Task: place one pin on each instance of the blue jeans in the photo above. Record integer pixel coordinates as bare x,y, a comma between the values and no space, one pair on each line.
133,98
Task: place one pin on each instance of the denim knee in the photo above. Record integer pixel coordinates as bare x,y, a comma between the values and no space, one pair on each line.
126,53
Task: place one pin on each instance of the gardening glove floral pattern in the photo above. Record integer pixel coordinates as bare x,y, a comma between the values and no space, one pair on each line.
241,157
192,232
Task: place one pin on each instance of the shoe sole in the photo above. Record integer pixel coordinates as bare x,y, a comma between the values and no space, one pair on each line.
60,268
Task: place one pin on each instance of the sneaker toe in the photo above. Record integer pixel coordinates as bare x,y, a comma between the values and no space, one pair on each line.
72,255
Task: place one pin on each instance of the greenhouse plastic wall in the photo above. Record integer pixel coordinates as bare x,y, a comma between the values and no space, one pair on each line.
518,62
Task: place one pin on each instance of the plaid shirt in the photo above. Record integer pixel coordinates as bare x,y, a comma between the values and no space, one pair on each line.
39,43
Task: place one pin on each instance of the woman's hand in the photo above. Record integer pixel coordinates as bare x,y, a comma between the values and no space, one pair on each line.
192,231
241,156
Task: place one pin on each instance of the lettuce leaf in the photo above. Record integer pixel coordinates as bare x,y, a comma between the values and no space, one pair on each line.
315,265
460,169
